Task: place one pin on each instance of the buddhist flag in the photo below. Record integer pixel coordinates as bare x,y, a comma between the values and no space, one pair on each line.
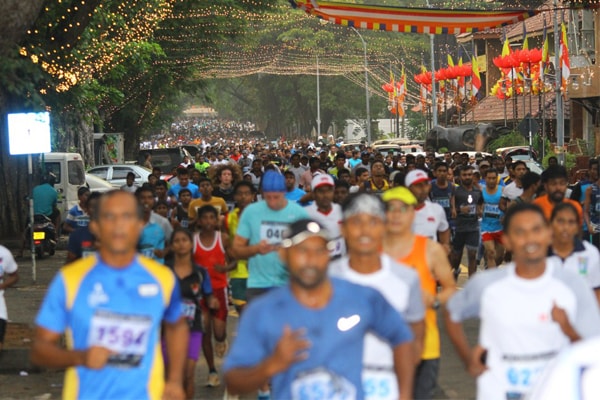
525,39
450,61
460,81
505,47
565,63
545,55
401,93
475,77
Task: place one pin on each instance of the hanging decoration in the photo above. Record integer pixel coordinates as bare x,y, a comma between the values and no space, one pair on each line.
411,20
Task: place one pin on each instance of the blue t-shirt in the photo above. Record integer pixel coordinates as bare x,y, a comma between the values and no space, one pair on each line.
353,163
492,215
152,237
45,198
295,195
259,222
336,333
174,191
120,309
77,218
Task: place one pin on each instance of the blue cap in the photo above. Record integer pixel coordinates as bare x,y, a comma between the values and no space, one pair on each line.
273,181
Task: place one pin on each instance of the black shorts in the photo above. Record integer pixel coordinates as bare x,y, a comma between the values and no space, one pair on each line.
468,239
2,329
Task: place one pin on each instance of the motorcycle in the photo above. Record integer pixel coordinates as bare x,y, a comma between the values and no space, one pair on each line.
44,236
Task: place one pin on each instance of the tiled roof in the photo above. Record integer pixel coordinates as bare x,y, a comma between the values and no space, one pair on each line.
491,108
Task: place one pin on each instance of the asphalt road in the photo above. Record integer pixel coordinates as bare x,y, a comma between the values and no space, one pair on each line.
19,380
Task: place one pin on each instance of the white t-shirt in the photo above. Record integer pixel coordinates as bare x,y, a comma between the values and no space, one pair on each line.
585,261
430,220
330,221
7,266
511,191
400,286
516,323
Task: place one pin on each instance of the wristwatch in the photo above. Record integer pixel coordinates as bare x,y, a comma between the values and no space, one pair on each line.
436,303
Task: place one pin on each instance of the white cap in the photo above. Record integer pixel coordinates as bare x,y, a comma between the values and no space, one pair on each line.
322,180
415,176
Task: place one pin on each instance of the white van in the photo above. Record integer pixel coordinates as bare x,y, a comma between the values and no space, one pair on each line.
69,170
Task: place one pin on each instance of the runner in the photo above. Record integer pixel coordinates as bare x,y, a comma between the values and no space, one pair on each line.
430,261
195,286
307,337
179,215
111,306
82,242
77,216
591,212
378,183
260,233
363,229
491,225
555,181
206,198
210,251
529,311
327,213
569,251
442,190
8,277
531,184
467,209
430,218
153,243
243,194
183,176
514,189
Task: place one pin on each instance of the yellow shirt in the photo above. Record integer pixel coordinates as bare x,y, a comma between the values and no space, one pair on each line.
217,202
241,271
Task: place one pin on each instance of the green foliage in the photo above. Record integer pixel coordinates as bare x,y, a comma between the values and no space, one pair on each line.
511,139
570,159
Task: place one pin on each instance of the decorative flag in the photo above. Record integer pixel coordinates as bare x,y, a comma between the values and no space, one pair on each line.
525,39
423,92
565,63
401,93
411,19
475,78
506,46
545,55
460,82
450,61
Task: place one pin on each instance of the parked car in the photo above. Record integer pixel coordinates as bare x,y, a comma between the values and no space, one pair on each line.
517,152
116,175
96,184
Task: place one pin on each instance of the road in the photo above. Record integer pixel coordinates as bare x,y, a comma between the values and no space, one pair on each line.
19,380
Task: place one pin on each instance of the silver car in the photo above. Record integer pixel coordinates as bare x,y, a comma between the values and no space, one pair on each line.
116,174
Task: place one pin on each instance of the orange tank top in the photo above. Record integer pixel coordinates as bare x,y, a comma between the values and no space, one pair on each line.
208,257
417,259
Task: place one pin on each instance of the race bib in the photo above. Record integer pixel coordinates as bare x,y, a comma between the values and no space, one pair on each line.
521,375
185,223
444,202
147,251
597,206
272,232
189,309
380,385
491,210
471,209
126,335
87,253
322,384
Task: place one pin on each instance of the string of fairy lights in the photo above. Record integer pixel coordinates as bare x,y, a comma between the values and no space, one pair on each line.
256,25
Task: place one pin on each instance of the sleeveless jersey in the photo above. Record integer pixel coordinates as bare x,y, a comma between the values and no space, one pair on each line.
417,259
370,187
208,257
491,211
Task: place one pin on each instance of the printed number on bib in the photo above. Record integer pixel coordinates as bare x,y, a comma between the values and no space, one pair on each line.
147,252
379,385
272,232
126,335
445,203
322,384
521,376
491,210
189,309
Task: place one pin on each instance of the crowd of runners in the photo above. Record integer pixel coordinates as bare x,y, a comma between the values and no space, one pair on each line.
341,262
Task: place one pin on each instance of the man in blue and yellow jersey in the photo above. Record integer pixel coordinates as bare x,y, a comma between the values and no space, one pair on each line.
110,306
